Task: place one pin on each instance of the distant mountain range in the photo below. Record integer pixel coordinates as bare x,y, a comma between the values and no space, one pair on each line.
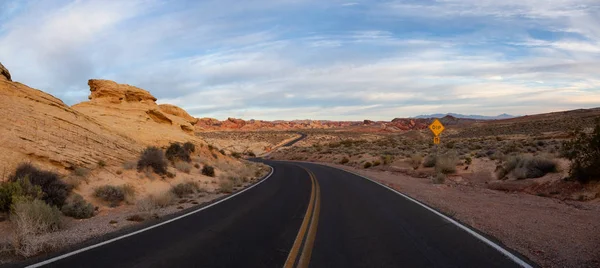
471,116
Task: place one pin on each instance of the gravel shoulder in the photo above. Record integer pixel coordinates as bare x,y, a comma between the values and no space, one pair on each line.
551,232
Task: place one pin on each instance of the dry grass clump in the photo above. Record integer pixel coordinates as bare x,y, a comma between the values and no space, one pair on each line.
344,160
208,170
154,158
446,163
367,165
129,165
32,218
183,166
155,201
439,178
185,189
226,186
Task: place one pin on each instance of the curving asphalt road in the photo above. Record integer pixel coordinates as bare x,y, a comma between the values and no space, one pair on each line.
303,215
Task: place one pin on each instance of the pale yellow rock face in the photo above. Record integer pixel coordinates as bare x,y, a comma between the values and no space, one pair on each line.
133,112
37,127
176,111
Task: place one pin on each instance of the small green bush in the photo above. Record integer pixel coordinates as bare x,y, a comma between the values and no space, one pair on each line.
184,189
344,160
387,159
208,171
367,165
10,192
177,152
155,158
376,163
76,207
110,193
468,160
55,190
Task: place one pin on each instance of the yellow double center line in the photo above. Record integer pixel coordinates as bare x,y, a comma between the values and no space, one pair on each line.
302,248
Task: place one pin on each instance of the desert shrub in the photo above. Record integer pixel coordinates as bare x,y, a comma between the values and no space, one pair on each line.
101,163
439,178
110,193
584,152
177,152
208,171
197,166
190,147
222,152
22,189
184,189
236,154
155,158
376,163
183,166
387,159
415,160
251,154
446,163
367,165
429,161
34,217
55,190
155,201
81,172
468,160
76,207
523,167
129,165
344,160
226,186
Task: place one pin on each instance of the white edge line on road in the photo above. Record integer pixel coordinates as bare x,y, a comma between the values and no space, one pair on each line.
39,264
505,252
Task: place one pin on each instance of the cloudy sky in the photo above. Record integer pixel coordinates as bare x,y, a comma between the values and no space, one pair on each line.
298,59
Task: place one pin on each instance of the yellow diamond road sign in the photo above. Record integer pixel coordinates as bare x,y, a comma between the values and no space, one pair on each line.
436,127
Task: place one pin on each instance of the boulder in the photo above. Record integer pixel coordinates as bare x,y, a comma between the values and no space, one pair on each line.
4,74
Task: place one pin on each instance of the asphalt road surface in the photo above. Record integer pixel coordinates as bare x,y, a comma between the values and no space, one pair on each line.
304,215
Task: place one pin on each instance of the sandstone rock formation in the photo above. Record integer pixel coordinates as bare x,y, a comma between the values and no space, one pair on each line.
4,74
133,112
35,126
176,111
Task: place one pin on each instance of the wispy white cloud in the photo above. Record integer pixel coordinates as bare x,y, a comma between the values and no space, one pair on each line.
274,60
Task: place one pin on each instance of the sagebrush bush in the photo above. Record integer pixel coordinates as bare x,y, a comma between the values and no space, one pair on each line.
154,158
376,163
76,207
190,147
34,217
367,165
524,167
184,189
55,190
110,193
176,152
183,166
226,186
387,159
446,163
344,160
208,171
429,161
584,152
155,201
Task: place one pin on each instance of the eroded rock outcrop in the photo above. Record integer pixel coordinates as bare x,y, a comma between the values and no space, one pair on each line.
4,74
133,112
36,126
176,111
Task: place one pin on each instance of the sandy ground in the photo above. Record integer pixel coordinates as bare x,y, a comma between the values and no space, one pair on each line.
551,232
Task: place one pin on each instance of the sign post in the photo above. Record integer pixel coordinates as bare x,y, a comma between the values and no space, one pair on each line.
437,128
